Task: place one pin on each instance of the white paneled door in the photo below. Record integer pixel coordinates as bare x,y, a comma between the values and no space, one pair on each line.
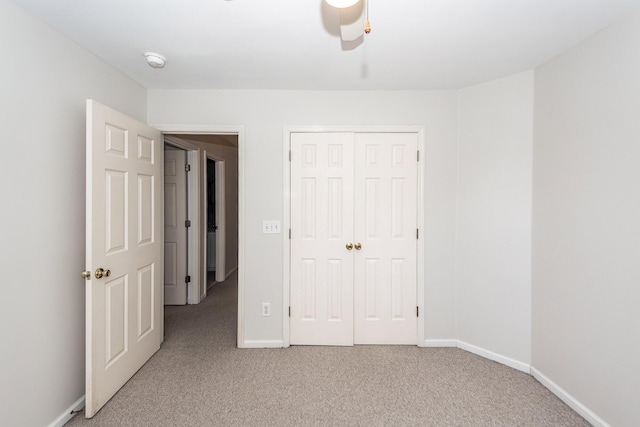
385,278
321,227
124,253
175,232
353,238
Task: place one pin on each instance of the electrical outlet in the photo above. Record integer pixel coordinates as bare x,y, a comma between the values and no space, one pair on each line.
271,227
266,309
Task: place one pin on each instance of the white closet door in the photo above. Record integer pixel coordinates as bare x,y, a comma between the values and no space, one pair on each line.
385,228
322,226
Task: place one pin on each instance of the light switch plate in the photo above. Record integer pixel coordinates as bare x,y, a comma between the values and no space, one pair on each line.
271,227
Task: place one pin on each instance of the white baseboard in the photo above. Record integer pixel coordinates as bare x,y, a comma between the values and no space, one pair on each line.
515,364
67,414
571,401
263,344
440,343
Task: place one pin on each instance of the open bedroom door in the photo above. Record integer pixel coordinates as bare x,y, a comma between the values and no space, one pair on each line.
124,250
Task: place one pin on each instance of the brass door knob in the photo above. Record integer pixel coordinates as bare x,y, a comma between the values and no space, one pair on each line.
86,274
349,246
358,246
101,272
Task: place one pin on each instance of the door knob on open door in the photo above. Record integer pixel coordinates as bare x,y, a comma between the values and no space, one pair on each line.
101,272
358,246
86,274
349,246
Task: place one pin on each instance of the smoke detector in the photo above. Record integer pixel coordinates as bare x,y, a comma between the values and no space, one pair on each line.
155,60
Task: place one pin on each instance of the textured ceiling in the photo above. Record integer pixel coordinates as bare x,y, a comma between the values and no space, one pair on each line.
295,44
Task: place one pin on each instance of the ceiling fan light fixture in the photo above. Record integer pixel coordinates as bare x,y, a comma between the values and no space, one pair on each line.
340,4
155,60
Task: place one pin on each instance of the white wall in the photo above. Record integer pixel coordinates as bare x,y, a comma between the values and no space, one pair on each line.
493,230
586,217
44,80
264,115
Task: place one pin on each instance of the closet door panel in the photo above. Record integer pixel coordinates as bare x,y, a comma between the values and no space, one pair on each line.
321,228
385,211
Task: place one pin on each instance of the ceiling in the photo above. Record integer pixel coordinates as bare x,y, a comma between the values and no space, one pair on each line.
221,140
295,44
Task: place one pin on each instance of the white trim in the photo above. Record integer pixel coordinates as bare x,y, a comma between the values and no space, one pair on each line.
562,394
515,364
286,242
221,218
225,130
571,401
286,217
68,413
262,344
204,255
355,129
241,218
197,283
440,343
504,360
200,129
420,287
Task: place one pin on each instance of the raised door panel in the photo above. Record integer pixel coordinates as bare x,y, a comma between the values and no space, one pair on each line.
322,225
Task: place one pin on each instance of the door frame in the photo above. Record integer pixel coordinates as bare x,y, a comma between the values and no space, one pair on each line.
286,220
238,131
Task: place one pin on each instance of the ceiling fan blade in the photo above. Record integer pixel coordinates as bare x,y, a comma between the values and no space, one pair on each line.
352,21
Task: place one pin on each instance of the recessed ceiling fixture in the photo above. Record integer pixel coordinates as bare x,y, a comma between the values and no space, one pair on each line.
342,3
155,60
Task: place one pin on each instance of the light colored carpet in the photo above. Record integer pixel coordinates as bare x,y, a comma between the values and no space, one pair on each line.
200,378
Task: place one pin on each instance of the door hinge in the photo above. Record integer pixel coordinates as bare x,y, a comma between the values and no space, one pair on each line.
187,279
418,156
187,167
289,234
289,155
417,311
417,233
187,223
289,311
